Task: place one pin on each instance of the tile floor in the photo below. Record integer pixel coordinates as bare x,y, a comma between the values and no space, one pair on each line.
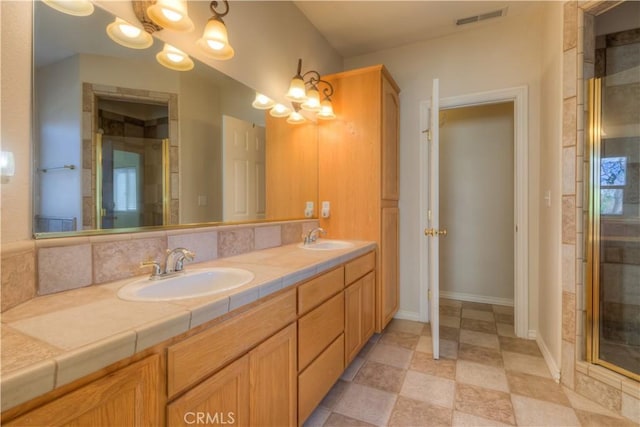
485,377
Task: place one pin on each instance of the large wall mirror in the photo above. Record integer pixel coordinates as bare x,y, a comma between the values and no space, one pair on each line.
122,143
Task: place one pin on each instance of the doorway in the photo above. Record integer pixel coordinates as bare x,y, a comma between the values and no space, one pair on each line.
476,202
518,98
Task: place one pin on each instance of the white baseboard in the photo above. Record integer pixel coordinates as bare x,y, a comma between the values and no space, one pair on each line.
461,296
551,364
407,315
532,334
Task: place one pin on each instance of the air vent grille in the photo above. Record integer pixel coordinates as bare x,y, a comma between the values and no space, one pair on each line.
484,16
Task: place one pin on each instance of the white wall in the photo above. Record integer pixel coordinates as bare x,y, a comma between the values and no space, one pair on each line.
493,57
550,171
477,202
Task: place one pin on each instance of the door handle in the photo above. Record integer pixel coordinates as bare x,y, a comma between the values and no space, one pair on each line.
432,232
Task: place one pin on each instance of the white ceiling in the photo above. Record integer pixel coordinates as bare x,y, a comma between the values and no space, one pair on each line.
359,27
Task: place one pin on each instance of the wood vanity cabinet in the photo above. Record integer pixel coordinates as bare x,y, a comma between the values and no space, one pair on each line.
127,397
359,305
358,172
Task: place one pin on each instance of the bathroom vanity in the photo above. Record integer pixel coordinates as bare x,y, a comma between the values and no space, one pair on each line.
268,361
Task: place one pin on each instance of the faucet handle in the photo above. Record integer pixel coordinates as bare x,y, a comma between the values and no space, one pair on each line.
154,264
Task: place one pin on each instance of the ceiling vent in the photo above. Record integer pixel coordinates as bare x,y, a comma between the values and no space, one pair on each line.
483,17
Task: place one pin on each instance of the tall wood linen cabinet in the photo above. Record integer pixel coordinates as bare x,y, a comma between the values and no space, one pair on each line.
358,172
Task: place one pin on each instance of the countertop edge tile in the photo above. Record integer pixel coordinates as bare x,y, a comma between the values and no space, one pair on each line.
270,287
154,333
90,358
243,298
299,276
207,312
24,384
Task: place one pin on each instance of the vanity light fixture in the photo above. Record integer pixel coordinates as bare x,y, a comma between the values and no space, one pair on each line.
174,59
263,102
280,110
171,14
215,40
309,100
296,118
127,35
71,7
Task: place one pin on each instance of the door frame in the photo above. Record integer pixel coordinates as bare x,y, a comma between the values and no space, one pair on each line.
519,96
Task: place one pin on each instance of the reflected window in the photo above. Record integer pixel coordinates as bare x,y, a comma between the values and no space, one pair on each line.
125,193
612,180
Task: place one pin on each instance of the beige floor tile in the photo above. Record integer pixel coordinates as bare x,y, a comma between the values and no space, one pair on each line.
402,325
462,419
410,412
524,363
318,417
537,387
582,403
450,302
450,321
400,339
478,326
450,311
519,345
391,355
590,419
338,420
533,412
352,370
504,309
366,404
451,334
334,395
484,355
426,330
448,349
428,388
506,330
425,344
366,349
425,363
481,375
380,376
479,339
470,313
477,306
484,403
504,318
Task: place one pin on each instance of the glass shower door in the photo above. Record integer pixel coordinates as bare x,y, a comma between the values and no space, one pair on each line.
613,248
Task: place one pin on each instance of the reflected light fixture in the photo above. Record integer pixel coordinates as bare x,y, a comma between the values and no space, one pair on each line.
295,118
7,164
215,40
175,59
326,110
280,110
127,35
263,102
171,14
71,7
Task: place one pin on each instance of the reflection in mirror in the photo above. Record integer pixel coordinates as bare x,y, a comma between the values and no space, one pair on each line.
122,142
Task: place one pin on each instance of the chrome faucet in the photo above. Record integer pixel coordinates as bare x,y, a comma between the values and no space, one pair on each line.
312,235
173,263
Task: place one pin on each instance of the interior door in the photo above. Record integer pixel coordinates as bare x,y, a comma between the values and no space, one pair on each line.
243,170
433,232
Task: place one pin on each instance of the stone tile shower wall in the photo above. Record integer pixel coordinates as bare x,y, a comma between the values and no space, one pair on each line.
41,267
616,392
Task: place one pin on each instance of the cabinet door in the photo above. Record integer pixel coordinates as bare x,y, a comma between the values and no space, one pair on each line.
128,397
274,374
352,321
221,399
390,134
389,287
368,306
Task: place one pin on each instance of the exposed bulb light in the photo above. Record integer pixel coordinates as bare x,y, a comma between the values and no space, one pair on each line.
313,100
263,102
174,59
326,110
215,40
280,110
295,118
127,35
71,7
171,14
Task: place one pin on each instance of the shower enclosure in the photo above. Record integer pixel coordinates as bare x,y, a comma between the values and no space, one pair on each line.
613,224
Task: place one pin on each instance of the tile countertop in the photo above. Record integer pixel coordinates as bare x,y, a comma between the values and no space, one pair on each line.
53,340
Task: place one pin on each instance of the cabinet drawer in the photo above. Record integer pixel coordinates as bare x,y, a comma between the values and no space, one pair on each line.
200,355
315,291
319,377
359,267
317,329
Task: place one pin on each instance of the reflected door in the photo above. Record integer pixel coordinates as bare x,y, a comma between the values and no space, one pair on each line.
614,223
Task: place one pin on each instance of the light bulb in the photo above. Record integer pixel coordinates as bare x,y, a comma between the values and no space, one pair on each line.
129,30
174,59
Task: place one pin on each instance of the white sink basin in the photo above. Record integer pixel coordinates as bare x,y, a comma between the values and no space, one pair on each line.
326,245
191,284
